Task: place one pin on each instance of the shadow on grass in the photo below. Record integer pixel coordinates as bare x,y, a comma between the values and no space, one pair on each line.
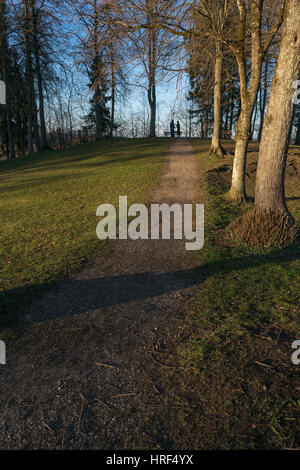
82,164
48,159
35,182
31,181
73,296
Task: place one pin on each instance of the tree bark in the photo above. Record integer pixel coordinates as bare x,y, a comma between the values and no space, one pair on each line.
98,131
10,132
152,103
216,147
43,140
35,120
263,99
231,109
253,121
248,95
269,191
152,81
238,187
242,136
29,76
113,89
5,71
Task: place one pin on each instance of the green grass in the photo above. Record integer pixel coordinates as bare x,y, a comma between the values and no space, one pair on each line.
260,285
246,312
48,208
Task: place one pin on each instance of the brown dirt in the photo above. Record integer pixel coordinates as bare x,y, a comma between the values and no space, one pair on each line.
87,370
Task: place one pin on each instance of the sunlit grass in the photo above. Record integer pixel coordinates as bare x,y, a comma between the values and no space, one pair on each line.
48,207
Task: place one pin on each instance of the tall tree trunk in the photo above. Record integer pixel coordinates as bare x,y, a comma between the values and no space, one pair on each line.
113,90
206,123
10,133
202,128
43,139
98,133
35,121
243,131
238,184
96,80
5,62
231,109
216,147
29,76
242,136
44,143
152,103
29,126
263,99
254,114
248,95
269,191
152,45
70,126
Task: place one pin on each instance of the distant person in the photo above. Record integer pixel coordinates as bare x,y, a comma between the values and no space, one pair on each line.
172,128
178,129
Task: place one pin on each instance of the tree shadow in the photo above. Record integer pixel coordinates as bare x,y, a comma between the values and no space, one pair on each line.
35,181
77,296
57,158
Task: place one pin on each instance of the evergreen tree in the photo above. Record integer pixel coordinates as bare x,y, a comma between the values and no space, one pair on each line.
99,116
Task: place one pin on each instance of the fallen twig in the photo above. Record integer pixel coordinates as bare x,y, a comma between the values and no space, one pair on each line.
106,365
48,427
102,403
262,364
123,395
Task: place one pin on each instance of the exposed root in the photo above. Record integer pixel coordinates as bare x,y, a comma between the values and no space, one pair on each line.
217,150
263,228
237,196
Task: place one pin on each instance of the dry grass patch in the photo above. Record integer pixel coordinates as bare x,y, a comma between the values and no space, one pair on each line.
262,228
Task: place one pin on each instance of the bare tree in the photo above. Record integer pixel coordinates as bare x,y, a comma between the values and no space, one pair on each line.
4,62
37,22
269,192
214,22
150,46
259,44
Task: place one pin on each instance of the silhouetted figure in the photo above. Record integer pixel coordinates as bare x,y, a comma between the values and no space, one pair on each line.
172,128
178,129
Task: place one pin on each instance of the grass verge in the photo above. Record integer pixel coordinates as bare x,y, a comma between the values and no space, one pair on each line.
237,373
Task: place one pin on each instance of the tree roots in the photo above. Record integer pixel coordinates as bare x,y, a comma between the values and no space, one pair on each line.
263,228
217,150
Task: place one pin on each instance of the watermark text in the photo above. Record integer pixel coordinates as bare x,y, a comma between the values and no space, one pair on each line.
296,92
2,92
188,222
2,353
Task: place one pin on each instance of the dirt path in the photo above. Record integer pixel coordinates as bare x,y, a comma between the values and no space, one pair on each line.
88,370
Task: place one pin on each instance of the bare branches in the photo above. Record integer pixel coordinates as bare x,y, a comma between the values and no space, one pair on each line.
271,34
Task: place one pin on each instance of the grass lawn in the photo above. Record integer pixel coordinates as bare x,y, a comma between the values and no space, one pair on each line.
243,323
48,204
